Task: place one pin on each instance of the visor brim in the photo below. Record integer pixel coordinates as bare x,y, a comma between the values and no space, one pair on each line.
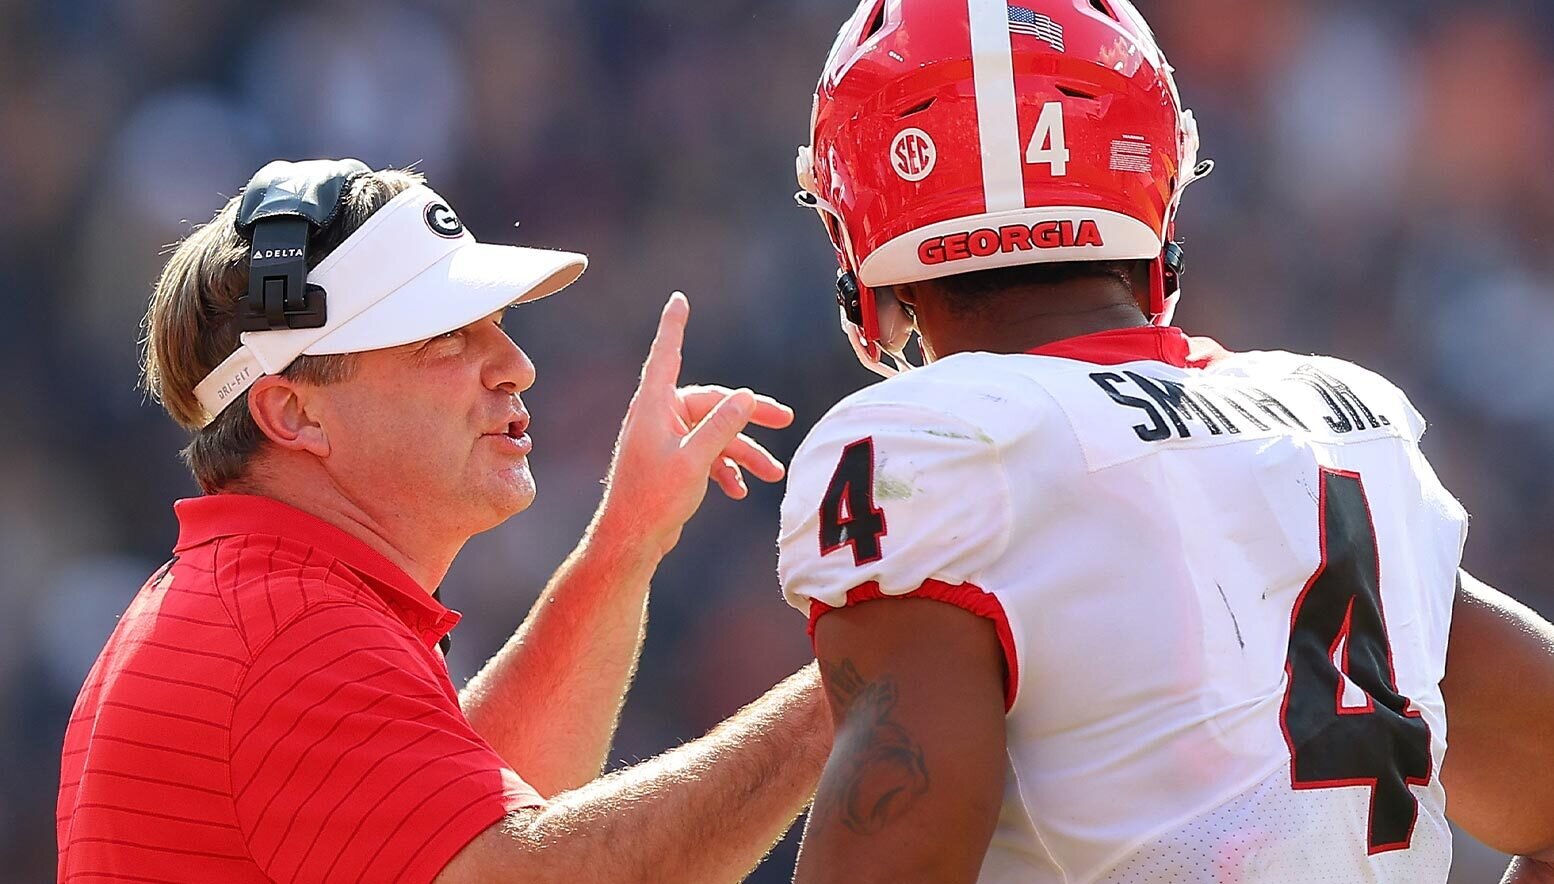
467,284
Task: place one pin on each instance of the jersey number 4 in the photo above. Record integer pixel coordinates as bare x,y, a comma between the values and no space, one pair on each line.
848,516
1337,638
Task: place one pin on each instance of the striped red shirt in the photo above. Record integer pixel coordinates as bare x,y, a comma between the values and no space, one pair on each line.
273,706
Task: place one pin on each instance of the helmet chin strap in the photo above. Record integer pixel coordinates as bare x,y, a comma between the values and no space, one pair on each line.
1165,275
869,352
895,327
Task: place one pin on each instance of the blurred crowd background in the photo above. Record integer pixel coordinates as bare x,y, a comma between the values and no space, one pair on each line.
1384,194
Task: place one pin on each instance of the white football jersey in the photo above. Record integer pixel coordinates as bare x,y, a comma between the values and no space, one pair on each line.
1223,586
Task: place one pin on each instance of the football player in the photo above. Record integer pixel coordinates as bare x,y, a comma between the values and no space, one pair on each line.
1095,601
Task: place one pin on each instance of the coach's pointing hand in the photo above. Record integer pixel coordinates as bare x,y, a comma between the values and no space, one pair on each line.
674,438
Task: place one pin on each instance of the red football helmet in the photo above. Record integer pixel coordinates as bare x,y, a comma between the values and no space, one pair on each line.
951,136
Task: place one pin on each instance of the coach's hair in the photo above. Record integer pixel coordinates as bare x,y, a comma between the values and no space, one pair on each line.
190,327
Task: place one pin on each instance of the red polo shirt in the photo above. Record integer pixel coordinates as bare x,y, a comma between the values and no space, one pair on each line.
273,706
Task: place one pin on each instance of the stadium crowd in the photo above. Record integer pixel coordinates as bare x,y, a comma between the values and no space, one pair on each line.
1383,194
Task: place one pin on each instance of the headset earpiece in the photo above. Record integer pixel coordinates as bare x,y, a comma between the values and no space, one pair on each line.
282,206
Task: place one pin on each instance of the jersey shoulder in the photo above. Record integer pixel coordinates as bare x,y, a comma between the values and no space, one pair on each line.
904,482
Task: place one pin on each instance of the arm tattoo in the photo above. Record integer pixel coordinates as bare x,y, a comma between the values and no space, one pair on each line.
882,773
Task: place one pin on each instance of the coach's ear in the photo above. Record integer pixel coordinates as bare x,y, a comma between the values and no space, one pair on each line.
277,407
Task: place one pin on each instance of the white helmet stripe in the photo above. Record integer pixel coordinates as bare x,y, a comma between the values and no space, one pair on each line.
992,67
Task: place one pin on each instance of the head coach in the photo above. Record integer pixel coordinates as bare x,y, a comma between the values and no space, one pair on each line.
274,706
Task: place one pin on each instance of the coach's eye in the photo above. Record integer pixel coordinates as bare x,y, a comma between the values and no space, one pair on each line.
444,343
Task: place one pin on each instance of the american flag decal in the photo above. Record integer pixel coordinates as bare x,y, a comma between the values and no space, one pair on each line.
1034,24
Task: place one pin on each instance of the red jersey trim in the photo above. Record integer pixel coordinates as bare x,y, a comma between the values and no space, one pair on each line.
204,519
967,596
1145,343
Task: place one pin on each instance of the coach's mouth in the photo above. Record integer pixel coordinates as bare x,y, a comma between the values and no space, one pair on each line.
514,433
516,426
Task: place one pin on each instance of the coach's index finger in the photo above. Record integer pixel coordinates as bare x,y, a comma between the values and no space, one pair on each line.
662,368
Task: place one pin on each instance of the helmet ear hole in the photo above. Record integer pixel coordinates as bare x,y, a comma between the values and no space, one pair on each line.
1102,9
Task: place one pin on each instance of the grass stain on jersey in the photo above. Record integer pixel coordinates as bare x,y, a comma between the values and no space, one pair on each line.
890,488
984,438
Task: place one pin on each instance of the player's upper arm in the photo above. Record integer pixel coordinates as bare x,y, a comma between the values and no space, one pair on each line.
915,779
1499,691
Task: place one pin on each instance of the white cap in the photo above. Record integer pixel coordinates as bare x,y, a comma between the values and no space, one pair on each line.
411,272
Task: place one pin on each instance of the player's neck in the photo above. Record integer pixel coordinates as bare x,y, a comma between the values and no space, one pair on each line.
1018,322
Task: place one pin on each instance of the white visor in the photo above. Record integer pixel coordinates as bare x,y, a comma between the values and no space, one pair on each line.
411,272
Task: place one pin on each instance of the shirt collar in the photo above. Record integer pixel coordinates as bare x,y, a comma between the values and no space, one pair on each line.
204,519
1145,343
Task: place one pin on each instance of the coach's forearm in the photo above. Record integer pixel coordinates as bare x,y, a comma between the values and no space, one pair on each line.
549,701
707,811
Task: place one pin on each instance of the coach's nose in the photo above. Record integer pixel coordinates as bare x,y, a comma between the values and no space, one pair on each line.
508,369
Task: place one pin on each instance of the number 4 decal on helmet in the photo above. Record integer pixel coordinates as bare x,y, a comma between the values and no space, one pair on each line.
1049,144
848,516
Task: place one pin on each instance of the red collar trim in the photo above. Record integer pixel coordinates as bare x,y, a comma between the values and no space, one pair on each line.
1144,343
204,519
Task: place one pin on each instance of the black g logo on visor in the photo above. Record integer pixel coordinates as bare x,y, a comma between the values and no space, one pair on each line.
442,221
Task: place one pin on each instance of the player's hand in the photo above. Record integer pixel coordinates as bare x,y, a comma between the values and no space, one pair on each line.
675,438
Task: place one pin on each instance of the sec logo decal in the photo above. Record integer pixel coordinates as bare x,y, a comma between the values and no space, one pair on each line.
913,154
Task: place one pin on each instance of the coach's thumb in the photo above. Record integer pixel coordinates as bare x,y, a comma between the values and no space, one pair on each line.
726,420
